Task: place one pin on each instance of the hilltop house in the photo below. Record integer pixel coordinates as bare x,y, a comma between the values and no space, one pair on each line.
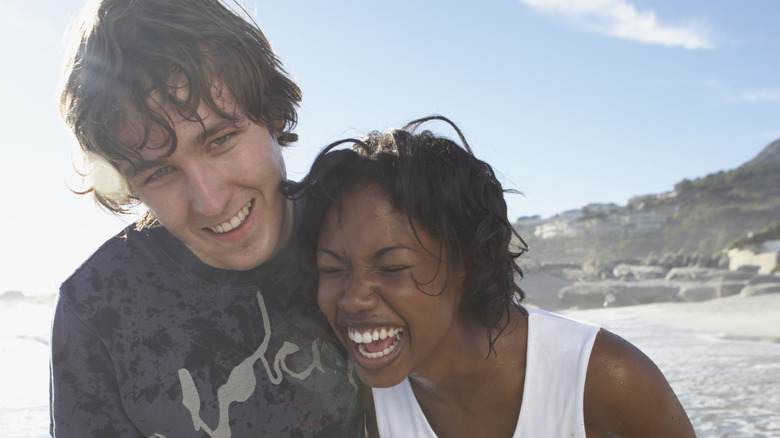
765,256
595,220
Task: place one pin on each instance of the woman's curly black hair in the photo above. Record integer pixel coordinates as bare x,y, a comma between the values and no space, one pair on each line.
444,190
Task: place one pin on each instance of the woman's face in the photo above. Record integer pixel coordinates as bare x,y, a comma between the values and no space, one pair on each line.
391,300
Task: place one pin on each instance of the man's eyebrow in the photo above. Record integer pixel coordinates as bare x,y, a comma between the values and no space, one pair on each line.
148,164
211,129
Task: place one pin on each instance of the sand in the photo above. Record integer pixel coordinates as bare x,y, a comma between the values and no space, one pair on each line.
753,318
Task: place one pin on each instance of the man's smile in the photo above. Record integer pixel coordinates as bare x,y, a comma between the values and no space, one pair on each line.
234,222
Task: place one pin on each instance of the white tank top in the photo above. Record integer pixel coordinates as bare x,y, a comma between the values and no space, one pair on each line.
558,354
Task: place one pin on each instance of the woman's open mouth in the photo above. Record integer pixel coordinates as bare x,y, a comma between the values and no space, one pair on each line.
375,343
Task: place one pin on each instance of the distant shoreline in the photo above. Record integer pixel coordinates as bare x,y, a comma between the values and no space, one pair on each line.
14,297
755,318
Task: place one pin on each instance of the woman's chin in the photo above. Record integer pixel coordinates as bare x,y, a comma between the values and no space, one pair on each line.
378,372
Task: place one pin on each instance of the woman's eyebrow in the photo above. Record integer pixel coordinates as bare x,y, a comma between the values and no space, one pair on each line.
388,249
330,253
379,253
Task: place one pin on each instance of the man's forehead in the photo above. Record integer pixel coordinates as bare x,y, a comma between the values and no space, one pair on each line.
136,134
150,134
177,105
142,142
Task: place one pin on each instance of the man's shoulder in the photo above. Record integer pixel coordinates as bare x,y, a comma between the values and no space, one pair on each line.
128,249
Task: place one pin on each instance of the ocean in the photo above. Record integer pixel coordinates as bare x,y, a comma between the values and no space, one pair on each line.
24,367
730,388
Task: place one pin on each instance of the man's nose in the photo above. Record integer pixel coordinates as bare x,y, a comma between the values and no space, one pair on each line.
207,190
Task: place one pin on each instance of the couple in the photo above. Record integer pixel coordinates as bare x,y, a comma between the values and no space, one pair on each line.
205,320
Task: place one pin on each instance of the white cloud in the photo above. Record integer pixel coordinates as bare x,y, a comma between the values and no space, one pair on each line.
761,95
620,19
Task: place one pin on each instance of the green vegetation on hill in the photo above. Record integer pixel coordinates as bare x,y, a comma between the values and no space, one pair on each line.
705,216
770,232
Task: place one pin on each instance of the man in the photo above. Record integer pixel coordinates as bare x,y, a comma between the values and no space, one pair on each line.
199,321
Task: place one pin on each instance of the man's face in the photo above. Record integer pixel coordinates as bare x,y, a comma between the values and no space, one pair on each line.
219,191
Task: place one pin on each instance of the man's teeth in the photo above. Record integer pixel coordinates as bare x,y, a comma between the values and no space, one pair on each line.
368,336
234,222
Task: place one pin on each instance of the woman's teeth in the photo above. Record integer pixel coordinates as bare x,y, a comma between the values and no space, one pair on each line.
368,336
234,222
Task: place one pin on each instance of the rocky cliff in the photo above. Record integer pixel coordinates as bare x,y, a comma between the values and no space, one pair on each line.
700,216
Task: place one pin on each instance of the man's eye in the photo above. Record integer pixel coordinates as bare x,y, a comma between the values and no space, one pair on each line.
161,172
219,141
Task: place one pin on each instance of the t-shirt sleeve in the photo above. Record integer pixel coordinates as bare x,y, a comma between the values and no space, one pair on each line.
85,399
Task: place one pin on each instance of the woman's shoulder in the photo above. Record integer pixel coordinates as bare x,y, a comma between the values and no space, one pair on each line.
627,395
555,328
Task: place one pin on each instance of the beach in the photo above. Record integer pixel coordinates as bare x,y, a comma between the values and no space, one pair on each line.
721,357
747,318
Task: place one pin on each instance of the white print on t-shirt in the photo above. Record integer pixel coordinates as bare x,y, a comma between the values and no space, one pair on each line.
241,382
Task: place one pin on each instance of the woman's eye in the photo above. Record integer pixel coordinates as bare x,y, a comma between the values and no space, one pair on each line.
394,268
329,270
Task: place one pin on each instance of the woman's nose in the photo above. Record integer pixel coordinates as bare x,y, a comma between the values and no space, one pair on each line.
359,293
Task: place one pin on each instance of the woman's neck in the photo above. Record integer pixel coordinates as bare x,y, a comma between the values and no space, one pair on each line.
466,366
470,392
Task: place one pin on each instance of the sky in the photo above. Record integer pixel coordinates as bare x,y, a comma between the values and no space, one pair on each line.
571,101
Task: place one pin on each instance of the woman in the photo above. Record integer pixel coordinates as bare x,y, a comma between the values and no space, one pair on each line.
417,277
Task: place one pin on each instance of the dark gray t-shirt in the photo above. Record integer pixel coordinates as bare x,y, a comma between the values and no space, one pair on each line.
149,340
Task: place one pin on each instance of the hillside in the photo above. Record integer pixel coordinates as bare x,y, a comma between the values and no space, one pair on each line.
770,153
700,216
